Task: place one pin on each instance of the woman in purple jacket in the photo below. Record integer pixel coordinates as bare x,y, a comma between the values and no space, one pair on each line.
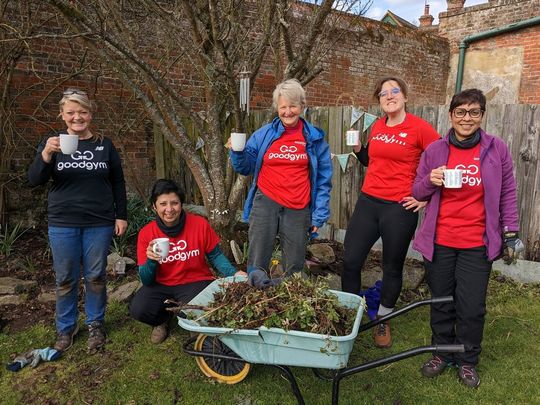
464,229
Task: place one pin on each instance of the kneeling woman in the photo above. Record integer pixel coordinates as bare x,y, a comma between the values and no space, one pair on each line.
184,272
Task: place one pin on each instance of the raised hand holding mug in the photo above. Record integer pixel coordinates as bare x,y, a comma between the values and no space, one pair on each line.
69,143
160,246
238,141
453,178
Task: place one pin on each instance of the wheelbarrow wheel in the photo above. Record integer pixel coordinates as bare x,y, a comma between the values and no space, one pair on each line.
223,371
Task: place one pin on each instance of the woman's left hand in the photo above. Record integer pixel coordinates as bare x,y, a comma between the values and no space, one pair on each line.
240,273
411,203
120,226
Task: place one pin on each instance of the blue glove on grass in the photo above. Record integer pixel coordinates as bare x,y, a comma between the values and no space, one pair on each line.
33,357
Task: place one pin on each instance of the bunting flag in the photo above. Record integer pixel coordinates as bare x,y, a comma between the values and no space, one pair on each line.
343,160
368,120
355,116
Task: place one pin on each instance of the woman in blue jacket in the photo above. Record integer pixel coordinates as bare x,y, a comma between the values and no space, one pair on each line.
292,178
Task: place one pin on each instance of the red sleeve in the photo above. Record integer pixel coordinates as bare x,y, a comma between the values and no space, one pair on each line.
143,239
428,135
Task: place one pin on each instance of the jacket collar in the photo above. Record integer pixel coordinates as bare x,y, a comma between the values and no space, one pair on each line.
310,132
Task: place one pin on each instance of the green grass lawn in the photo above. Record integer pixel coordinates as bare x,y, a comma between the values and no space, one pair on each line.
133,371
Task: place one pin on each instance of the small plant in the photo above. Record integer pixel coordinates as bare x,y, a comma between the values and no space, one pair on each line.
28,264
9,237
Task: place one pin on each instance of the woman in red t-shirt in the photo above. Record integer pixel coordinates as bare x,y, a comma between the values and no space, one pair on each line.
386,209
184,272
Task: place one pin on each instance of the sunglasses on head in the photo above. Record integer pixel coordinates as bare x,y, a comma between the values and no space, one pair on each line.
70,92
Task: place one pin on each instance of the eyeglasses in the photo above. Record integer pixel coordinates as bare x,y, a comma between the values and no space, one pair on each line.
394,91
70,92
473,112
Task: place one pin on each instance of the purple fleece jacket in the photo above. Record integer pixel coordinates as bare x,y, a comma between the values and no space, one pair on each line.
500,198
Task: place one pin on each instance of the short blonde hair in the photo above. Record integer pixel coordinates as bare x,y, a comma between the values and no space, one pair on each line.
292,90
80,97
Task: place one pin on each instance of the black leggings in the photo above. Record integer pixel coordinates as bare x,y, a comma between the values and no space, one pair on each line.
372,219
148,307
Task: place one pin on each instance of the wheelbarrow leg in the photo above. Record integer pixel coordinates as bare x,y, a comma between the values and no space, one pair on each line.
335,388
287,373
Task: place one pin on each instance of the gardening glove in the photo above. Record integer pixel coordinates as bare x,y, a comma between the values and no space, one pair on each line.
20,361
47,354
258,278
512,246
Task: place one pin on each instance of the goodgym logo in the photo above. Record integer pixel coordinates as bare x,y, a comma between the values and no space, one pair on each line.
179,252
82,161
288,153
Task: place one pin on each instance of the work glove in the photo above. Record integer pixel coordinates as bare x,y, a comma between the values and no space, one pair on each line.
258,278
47,354
33,357
512,246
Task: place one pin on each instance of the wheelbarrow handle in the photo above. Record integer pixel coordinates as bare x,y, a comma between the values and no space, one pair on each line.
449,348
442,300
407,308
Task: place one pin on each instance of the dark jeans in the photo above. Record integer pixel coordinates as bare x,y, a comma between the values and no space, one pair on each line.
395,226
148,307
269,219
463,274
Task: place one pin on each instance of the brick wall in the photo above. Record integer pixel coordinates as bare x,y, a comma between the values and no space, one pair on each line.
364,54
455,25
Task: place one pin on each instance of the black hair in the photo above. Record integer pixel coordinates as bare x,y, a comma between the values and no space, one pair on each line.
166,186
469,96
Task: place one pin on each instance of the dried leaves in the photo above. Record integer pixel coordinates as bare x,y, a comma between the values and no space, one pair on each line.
296,304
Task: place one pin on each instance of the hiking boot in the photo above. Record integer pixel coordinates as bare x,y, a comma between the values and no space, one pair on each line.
433,367
65,340
96,336
160,333
381,335
468,375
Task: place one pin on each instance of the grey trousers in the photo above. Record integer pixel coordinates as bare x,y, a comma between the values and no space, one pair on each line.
269,219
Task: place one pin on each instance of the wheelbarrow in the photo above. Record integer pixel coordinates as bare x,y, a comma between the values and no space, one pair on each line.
226,354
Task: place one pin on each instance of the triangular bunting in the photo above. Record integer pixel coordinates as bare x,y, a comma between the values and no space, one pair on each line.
355,116
368,120
343,159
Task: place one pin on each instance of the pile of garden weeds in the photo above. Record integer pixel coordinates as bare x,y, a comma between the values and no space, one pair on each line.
297,303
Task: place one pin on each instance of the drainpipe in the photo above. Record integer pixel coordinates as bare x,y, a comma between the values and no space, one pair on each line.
483,35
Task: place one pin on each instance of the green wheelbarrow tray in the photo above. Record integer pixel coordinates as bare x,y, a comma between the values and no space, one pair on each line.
278,346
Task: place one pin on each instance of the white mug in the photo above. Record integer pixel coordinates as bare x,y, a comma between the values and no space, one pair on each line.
160,246
453,178
353,138
69,143
238,141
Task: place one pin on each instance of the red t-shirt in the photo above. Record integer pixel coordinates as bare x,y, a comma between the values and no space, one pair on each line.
394,154
462,218
186,262
284,175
